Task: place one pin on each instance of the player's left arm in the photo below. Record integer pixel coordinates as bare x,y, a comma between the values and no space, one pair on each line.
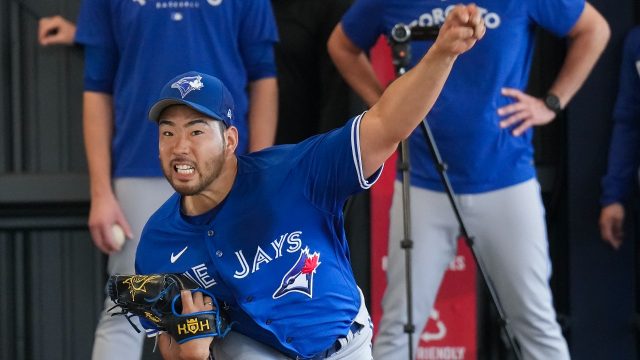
587,40
409,98
263,113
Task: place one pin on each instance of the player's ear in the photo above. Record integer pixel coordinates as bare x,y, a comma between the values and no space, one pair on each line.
231,139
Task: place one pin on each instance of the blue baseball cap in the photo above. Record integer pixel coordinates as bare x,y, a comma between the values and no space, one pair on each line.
199,91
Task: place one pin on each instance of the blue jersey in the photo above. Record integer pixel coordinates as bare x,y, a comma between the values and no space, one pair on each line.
480,155
149,41
274,250
624,152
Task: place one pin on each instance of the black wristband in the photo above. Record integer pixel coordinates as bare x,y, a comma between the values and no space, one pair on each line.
193,326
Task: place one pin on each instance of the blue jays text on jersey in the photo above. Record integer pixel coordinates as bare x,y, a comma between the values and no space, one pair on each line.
261,256
274,250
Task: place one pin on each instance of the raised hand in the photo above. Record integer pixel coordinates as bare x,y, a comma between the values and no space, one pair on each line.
460,31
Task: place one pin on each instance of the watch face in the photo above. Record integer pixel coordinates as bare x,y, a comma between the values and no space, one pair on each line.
553,103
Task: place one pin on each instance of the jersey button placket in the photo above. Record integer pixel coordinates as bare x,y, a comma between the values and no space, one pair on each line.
211,233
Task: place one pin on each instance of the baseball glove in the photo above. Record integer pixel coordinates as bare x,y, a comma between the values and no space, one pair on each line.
156,298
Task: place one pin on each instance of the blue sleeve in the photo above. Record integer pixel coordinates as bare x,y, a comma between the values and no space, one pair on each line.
149,328
334,167
101,56
94,24
624,156
100,65
260,61
556,16
137,267
362,23
258,33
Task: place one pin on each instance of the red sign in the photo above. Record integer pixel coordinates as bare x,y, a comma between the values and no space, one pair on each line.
451,330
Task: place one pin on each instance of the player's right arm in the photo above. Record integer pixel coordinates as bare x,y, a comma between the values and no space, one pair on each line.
354,66
409,98
98,131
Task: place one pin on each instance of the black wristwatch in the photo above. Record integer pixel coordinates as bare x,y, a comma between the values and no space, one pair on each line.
552,102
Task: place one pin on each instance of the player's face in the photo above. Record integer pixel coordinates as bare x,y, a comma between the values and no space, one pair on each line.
193,149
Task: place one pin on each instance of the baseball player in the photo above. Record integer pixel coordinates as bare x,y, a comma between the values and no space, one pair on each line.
482,123
264,232
623,152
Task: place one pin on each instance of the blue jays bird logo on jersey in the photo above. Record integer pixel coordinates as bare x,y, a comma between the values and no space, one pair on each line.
300,277
188,84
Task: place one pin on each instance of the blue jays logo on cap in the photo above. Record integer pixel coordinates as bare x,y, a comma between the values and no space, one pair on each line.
300,277
199,91
188,84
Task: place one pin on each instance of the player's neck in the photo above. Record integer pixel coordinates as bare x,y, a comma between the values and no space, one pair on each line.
215,193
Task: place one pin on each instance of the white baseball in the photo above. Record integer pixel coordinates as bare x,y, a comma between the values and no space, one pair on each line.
117,234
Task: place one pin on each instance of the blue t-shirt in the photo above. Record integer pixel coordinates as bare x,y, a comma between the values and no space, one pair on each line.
624,152
275,249
145,43
480,155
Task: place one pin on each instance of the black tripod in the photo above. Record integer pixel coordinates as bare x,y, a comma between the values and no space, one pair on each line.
400,38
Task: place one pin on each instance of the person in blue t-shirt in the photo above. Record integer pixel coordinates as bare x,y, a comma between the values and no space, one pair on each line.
264,232
624,152
131,49
482,124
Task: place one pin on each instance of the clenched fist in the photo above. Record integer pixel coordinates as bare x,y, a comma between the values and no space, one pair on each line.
460,31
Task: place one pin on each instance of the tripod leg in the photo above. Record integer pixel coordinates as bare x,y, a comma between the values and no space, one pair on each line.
435,233
511,232
407,243
442,170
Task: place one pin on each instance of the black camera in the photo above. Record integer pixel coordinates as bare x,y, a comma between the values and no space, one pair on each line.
401,33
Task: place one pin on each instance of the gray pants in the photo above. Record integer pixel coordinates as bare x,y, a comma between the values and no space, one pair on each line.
139,198
510,238
236,346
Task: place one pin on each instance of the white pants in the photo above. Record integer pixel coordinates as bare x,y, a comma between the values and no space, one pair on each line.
236,346
139,198
511,240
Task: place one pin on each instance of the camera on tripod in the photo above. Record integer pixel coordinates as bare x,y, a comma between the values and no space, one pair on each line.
400,36
399,40
401,33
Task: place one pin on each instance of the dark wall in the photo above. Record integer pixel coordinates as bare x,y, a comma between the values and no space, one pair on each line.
51,275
